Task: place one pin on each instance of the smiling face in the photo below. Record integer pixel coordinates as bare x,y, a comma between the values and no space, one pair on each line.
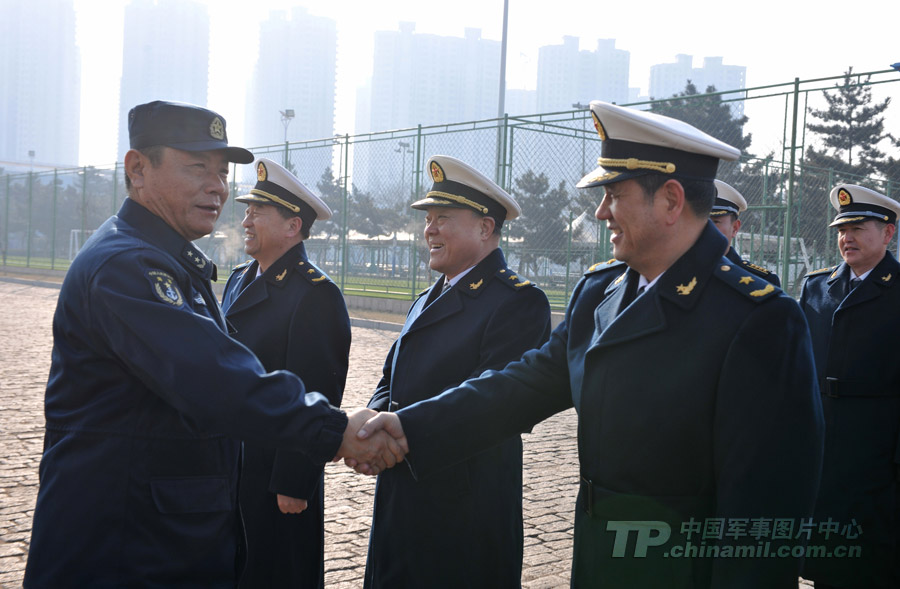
186,190
457,239
268,234
635,223
862,245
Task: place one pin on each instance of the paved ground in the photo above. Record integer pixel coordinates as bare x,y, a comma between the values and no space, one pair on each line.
25,341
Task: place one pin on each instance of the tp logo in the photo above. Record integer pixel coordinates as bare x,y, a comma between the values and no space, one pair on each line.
645,537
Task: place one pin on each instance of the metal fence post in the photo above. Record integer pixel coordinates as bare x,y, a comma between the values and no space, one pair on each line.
53,232
344,196
28,220
788,217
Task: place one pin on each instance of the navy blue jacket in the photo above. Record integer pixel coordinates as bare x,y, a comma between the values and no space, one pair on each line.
463,526
671,423
293,318
138,480
856,338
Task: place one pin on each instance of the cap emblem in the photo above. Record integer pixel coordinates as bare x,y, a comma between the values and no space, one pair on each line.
437,173
261,173
598,126
217,129
685,289
844,197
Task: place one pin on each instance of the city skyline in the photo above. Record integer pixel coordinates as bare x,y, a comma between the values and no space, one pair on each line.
650,41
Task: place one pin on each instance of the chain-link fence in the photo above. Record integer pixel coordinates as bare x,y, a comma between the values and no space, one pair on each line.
373,245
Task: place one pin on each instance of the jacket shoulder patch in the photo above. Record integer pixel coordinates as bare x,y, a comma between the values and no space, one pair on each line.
601,266
828,270
751,286
509,278
311,273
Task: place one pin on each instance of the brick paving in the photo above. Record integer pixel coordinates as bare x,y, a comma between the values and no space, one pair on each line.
26,311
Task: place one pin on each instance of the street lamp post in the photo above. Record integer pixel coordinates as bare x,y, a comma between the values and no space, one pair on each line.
403,148
287,115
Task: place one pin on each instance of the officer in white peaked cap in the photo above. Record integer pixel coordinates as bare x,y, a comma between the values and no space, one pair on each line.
674,433
729,204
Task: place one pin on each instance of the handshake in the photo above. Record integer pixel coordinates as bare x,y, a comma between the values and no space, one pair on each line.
372,441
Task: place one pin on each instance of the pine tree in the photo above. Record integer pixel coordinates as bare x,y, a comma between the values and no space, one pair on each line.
706,112
851,129
543,224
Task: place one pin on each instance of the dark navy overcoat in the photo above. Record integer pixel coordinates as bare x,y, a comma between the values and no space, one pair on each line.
461,527
856,338
293,317
698,414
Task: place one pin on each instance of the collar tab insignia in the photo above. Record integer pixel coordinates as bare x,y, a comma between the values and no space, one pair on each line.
685,289
281,276
886,278
476,285
763,291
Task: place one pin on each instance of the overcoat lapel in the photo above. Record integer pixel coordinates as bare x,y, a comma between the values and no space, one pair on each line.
252,292
883,276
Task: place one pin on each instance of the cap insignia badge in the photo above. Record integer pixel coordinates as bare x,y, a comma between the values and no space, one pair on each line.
261,173
745,280
683,289
217,129
281,276
844,197
437,173
598,126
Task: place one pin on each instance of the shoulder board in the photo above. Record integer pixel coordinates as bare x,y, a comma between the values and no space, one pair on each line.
828,270
600,266
751,286
241,266
509,278
311,273
760,269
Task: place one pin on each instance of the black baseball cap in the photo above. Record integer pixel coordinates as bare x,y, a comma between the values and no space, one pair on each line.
183,126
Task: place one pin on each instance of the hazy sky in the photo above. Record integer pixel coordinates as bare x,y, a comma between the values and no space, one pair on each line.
776,40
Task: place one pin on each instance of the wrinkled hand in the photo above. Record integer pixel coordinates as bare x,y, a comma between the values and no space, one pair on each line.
380,424
373,451
291,504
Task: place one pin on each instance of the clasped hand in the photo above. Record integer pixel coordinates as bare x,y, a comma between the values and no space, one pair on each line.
372,441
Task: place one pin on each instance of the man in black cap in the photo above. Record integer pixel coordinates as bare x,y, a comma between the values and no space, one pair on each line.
853,310
463,526
686,457
147,394
293,317
728,206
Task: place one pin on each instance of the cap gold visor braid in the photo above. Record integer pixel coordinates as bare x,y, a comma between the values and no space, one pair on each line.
276,199
460,199
636,164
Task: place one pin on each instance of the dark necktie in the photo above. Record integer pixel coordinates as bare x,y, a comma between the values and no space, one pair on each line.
854,282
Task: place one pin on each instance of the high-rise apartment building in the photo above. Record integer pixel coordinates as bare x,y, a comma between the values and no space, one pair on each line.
426,79
568,75
165,56
295,71
40,84
668,79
